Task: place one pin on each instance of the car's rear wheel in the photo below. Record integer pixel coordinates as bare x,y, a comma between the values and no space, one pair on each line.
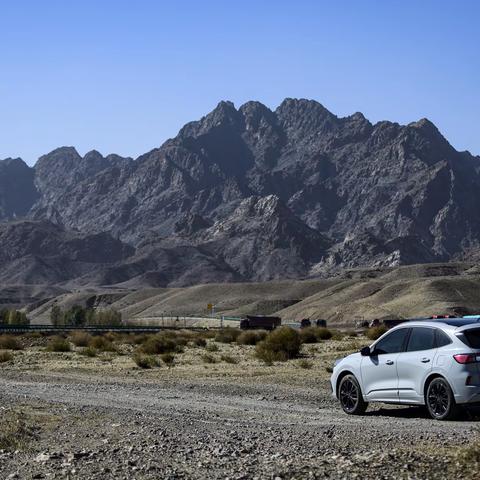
440,401
350,396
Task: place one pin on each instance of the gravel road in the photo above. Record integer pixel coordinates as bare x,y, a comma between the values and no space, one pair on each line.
217,429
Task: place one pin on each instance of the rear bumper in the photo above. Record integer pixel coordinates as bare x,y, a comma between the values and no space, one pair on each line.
467,394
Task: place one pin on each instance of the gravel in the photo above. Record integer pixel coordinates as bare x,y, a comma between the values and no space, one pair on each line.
216,429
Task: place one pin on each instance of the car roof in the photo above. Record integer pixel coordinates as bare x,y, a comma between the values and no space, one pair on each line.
443,323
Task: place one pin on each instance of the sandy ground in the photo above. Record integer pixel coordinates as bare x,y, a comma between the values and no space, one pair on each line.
103,417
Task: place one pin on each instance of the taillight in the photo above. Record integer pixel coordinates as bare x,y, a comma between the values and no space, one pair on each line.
465,357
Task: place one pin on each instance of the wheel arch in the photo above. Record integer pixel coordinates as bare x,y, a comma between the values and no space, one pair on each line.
428,380
339,379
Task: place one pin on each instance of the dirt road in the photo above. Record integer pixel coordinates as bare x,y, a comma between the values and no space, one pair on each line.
97,428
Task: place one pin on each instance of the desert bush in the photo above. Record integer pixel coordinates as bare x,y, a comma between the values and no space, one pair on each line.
168,359
199,342
337,335
58,344
323,333
101,343
145,361
207,358
80,339
228,359
305,364
280,345
227,335
8,342
315,334
89,352
15,431
375,332
158,344
5,357
251,337
212,347
308,335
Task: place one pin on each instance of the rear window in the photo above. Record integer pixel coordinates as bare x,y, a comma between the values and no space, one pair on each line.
472,337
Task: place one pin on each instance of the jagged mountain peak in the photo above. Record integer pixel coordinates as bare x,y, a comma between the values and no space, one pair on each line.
259,194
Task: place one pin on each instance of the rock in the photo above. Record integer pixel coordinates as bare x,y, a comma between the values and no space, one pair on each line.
245,194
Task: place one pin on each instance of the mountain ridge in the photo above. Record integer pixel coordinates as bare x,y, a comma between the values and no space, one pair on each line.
259,194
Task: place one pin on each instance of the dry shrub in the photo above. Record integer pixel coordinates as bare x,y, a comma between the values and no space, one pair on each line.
307,335
199,342
207,358
168,359
227,335
15,431
58,344
5,357
376,332
145,361
212,347
323,333
89,352
8,342
101,343
228,359
80,339
159,344
315,334
305,364
251,337
280,345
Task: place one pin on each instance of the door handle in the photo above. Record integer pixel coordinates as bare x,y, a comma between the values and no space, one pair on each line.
389,362
425,360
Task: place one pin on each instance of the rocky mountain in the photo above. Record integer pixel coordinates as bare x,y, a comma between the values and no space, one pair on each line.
256,194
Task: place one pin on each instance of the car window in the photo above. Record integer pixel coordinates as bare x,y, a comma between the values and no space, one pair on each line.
472,337
392,343
421,338
442,338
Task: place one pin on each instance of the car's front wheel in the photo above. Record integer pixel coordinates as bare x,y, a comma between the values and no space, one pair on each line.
350,396
440,401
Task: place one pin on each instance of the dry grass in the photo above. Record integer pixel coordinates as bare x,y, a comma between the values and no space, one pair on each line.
5,356
8,342
280,345
227,335
251,337
102,344
80,339
58,344
15,431
375,332
145,361
207,358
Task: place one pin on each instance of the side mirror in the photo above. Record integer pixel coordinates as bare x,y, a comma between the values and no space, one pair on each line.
365,352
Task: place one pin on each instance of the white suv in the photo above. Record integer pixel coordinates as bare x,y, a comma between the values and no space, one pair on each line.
432,363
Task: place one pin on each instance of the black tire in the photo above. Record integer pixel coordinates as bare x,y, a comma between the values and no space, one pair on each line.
350,396
440,401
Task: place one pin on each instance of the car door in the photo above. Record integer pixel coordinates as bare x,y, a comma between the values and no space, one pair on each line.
379,370
415,364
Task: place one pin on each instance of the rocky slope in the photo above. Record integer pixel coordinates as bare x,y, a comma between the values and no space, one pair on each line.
255,194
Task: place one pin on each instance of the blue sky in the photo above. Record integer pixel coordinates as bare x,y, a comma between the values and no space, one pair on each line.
123,76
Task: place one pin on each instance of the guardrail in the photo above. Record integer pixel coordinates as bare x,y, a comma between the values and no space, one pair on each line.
96,328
